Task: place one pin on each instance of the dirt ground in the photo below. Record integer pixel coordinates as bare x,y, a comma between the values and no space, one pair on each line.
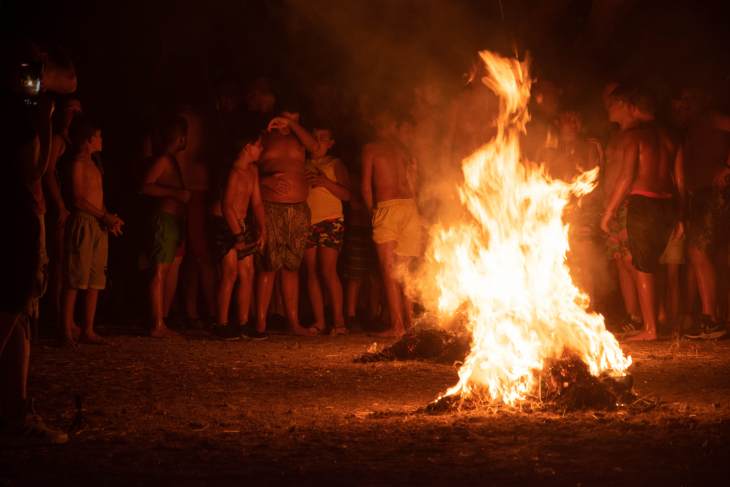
299,411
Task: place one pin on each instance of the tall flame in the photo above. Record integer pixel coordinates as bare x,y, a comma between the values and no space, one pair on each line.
504,267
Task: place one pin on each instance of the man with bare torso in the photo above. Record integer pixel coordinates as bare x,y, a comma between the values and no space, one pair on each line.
284,190
198,269
706,151
163,181
86,248
388,173
571,155
650,179
235,244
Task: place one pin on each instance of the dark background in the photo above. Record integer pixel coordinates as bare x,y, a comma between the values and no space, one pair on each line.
136,60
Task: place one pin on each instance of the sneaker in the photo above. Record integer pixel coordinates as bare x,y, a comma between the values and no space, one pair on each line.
706,329
31,432
253,334
226,332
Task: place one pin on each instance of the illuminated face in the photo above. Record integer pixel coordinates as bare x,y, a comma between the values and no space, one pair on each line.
570,125
324,139
618,110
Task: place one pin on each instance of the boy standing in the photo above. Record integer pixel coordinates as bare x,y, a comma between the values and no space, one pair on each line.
164,182
234,243
86,236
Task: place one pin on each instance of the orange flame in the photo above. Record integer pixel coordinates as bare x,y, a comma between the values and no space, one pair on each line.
504,269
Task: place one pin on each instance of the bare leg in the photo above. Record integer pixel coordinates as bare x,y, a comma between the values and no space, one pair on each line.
89,335
159,328
352,292
673,294
647,300
628,287
407,303
225,287
314,288
264,288
290,289
245,288
67,310
375,297
170,284
393,292
328,268
56,278
191,278
706,277
14,359
207,280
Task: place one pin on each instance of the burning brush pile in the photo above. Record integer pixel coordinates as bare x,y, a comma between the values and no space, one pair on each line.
502,271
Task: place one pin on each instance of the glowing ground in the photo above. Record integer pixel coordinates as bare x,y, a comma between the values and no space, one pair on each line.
291,410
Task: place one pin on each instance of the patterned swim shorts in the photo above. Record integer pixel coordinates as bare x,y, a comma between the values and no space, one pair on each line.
327,233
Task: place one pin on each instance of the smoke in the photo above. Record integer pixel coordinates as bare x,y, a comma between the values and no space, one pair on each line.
409,58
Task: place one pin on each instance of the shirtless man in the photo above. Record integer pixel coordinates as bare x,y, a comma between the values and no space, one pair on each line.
25,139
234,243
706,148
387,177
163,180
650,177
617,239
86,249
60,145
198,271
284,190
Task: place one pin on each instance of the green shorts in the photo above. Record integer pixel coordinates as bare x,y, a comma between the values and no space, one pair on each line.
86,252
168,232
287,229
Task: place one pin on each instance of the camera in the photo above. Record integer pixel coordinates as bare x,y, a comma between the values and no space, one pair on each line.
28,81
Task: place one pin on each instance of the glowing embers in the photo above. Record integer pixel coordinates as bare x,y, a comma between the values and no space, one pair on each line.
503,266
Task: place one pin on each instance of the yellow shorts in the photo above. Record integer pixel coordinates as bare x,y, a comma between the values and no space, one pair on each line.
398,220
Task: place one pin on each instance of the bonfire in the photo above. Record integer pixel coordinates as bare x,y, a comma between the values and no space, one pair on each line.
502,272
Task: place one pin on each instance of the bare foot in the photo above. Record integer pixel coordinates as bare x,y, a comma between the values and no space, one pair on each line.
644,336
162,331
390,333
339,330
92,339
301,331
76,331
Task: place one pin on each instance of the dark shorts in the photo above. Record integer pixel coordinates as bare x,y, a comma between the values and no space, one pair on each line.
708,219
287,228
224,240
360,256
327,233
649,223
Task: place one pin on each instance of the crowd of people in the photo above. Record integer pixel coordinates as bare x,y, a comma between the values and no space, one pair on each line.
246,207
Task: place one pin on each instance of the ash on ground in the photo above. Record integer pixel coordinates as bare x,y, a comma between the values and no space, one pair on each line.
427,344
